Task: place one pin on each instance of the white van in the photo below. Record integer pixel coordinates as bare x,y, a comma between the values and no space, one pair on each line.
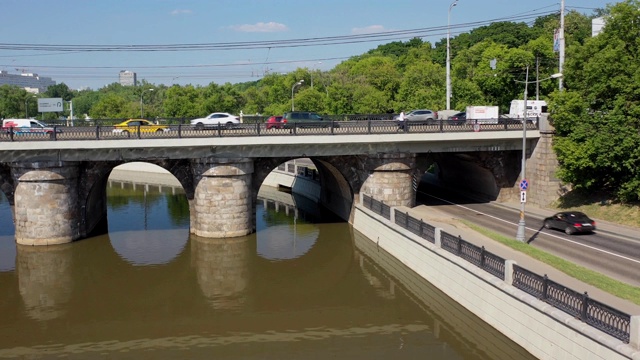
534,109
26,126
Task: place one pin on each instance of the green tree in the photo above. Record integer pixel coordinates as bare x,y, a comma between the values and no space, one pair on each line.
114,106
598,118
12,102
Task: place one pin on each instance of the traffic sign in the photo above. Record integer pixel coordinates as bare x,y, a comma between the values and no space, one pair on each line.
476,127
523,196
524,185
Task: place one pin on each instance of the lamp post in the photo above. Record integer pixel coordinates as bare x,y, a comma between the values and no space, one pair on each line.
26,107
292,88
141,106
312,69
449,56
520,235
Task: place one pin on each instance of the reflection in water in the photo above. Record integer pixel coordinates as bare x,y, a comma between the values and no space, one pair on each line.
222,268
44,279
159,293
160,211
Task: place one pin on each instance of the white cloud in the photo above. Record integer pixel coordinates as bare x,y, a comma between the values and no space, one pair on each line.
368,30
260,27
180,12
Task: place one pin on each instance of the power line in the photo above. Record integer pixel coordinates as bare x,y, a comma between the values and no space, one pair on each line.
250,45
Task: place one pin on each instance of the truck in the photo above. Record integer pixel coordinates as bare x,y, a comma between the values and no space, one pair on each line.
534,109
27,126
483,114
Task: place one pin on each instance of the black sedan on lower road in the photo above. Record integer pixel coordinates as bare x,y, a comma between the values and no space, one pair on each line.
570,222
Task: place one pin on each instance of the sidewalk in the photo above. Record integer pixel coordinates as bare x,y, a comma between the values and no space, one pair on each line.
455,227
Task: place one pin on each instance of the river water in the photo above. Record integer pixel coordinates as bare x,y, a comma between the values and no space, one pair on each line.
304,286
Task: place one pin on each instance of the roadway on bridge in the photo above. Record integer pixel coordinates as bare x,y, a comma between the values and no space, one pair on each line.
611,250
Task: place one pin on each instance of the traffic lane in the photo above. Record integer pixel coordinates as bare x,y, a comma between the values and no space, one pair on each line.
606,241
585,250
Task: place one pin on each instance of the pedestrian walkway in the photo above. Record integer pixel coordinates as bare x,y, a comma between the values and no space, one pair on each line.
455,227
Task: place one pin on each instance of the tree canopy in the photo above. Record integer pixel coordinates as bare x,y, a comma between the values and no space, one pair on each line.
597,116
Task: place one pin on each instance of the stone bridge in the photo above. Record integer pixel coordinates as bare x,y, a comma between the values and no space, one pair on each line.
57,189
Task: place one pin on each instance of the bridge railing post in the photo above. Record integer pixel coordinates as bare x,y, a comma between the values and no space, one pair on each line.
11,133
369,126
97,132
441,125
219,130
506,124
180,130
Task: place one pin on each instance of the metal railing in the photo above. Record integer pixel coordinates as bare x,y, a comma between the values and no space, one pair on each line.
601,316
594,313
377,206
103,130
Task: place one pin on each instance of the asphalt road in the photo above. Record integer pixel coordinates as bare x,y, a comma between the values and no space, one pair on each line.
610,252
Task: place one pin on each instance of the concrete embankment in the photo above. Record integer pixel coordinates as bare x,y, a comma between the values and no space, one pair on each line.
543,330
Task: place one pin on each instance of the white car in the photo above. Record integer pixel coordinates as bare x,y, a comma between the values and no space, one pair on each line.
216,118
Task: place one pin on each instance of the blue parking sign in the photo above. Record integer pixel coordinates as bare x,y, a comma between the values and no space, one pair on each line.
524,184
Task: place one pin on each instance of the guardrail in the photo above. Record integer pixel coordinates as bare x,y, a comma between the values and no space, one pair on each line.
352,127
594,313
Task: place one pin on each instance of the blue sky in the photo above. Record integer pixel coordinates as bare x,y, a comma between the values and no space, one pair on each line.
159,23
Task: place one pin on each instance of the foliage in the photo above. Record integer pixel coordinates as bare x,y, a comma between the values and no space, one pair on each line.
598,117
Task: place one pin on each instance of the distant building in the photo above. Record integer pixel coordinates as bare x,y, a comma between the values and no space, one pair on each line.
28,81
128,78
596,26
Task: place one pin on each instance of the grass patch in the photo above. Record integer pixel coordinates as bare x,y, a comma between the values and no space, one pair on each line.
600,206
602,282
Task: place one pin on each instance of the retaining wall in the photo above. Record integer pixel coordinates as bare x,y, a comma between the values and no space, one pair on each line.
544,331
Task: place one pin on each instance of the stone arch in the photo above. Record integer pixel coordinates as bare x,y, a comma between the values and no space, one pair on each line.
93,189
7,183
336,192
480,176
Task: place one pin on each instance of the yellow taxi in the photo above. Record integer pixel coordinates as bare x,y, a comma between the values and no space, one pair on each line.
131,127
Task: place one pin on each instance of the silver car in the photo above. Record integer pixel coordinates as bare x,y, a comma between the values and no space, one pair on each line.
422,116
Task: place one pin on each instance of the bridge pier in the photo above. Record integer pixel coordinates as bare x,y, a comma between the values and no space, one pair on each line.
222,204
46,200
390,178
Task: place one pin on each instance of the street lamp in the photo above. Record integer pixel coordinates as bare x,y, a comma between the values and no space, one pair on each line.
312,69
26,107
449,56
141,106
292,88
520,235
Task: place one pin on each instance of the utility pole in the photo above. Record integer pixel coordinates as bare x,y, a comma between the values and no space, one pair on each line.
561,40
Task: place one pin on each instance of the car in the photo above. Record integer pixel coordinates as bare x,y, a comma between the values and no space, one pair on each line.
422,116
216,118
458,119
131,126
302,119
571,222
275,122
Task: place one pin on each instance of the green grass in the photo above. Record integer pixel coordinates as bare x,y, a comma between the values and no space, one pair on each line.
600,281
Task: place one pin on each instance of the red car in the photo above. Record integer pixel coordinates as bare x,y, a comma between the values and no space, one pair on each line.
276,122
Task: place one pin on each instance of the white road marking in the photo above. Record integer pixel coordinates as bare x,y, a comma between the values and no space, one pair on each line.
548,234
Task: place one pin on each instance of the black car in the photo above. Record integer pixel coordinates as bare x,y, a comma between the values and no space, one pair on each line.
303,119
458,119
571,222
